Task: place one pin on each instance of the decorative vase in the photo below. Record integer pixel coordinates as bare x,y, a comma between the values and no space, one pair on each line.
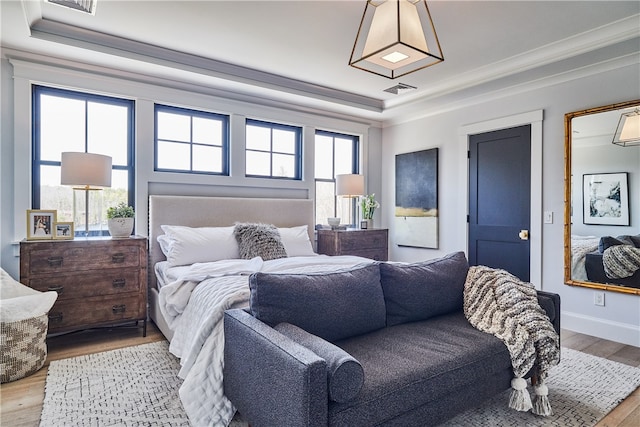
369,223
120,227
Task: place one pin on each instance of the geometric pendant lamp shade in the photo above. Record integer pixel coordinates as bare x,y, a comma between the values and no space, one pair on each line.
628,130
396,37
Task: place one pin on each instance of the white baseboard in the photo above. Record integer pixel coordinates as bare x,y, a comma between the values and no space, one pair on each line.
607,329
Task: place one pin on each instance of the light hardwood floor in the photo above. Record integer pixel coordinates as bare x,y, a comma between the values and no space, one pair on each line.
21,401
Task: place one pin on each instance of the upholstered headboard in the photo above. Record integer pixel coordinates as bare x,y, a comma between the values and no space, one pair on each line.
194,211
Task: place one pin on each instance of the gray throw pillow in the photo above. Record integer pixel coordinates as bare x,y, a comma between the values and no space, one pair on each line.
261,240
333,305
345,375
422,290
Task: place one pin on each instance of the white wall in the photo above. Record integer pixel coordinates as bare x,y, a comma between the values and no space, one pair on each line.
619,319
17,78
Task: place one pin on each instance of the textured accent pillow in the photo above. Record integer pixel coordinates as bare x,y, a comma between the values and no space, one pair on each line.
422,290
344,372
331,305
187,245
263,240
296,241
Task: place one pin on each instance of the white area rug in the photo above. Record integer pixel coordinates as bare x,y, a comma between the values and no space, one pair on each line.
138,386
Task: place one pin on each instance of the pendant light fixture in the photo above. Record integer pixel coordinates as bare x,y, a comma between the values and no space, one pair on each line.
628,130
396,37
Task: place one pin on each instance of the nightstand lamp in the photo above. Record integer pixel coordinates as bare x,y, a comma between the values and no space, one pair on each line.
350,186
90,173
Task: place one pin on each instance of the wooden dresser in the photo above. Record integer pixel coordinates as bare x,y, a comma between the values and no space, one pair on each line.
370,243
100,281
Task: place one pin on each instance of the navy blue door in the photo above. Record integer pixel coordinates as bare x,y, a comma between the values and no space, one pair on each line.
500,199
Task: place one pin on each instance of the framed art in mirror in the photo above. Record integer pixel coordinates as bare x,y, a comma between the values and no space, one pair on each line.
602,201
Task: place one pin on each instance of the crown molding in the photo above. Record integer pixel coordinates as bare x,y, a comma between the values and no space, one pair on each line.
596,38
55,31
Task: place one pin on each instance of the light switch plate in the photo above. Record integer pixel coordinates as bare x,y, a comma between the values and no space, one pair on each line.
548,217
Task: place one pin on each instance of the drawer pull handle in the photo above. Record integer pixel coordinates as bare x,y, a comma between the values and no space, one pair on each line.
117,258
119,308
118,283
55,317
54,261
57,289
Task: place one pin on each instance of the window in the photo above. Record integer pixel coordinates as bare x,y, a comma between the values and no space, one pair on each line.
335,154
65,120
191,141
273,150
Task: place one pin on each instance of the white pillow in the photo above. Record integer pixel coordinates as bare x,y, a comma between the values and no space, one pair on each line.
188,245
296,241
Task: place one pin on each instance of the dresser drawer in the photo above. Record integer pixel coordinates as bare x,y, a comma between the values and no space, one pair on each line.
108,282
62,258
68,314
358,240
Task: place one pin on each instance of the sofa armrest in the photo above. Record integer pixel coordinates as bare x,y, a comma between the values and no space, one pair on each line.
550,302
269,378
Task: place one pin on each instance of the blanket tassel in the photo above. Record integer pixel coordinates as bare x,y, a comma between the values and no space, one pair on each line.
541,405
520,399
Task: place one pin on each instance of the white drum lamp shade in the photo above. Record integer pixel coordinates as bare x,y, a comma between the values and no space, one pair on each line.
349,185
86,170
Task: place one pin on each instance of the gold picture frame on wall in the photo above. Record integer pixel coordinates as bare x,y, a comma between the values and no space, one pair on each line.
40,224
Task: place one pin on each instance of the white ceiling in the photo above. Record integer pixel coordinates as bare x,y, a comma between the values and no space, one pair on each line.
298,51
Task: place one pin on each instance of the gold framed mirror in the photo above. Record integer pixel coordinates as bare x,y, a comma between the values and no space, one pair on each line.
601,200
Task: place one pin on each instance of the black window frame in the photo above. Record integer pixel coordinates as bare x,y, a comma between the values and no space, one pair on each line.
297,155
191,112
37,162
355,162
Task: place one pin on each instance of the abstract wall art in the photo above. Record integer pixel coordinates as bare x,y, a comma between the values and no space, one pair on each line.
416,210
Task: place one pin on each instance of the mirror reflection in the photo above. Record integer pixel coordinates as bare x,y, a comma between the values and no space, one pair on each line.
602,197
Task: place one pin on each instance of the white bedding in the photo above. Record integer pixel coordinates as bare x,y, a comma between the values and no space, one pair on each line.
580,247
194,305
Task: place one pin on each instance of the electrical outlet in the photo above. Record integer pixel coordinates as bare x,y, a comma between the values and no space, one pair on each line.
598,298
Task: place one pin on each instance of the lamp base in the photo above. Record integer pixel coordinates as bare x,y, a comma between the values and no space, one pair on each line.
88,211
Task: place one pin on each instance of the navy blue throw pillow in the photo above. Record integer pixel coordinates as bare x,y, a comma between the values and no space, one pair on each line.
422,290
333,305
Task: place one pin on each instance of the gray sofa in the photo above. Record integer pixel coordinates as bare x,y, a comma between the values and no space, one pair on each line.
379,345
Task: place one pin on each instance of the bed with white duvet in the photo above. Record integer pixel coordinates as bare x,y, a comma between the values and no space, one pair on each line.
200,270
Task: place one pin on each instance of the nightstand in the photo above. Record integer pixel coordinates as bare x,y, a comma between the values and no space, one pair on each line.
370,243
100,281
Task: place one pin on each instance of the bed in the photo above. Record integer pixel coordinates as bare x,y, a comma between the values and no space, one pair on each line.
580,247
189,291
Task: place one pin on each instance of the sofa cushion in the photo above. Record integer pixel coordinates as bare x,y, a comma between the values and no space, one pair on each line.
419,291
419,363
331,305
344,373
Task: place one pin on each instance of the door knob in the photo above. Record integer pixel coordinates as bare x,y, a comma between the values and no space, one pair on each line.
524,234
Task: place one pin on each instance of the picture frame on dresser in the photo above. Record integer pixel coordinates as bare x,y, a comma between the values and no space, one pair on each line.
63,231
40,224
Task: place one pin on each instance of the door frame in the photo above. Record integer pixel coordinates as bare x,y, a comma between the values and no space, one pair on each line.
534,118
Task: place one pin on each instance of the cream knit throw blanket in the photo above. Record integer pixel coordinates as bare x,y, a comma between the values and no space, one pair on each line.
499,303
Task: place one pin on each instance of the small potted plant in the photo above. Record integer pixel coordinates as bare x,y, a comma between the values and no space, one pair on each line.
120,220
368,205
